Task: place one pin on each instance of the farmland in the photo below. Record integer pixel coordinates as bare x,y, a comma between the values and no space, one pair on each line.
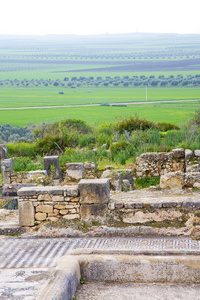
161,112
101,69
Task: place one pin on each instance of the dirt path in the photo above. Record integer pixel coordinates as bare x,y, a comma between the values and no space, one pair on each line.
85,105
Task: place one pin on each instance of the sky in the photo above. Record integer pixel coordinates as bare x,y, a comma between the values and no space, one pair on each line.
84,17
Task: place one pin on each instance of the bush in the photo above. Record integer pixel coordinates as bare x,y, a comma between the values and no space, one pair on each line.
133,124
165,126
22,149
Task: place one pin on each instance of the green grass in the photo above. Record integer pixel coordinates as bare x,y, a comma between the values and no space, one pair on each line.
161,112
29,97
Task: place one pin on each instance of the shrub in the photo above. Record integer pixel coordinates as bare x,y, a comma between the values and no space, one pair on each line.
22,149
165,126
133,124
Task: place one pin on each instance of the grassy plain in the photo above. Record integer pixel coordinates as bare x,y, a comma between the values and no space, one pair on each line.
30,97
161,112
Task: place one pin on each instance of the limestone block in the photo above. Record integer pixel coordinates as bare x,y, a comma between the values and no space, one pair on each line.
178,153
58,198
3,151
74,199
63,211
197,153
192,179
188,154
44,208
44,197
71,191
26,192
115,179
75,171
59,206
40,216
71,217
52,166
26,213
94,191
92,210
192,168
172,180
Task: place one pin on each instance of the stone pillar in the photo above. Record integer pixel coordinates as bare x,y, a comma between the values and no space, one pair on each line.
6,168
3,151
94,197
52,166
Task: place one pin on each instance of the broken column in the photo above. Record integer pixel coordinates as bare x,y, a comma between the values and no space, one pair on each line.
3,151
6,168
52,167
94,197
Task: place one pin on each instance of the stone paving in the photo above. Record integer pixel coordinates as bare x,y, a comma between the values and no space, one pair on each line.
27,264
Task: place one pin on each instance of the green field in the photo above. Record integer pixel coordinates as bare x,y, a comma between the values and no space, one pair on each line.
30,97
162,112
53,58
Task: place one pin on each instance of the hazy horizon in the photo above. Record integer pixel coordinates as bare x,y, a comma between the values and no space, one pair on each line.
63,17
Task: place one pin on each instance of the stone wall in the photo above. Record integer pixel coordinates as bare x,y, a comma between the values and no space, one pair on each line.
50,203
155,211
157,164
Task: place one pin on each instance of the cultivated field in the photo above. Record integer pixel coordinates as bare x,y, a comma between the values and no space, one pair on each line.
161,112
31,63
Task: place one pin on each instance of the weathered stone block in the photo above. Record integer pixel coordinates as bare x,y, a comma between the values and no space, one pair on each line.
26,192
192,168
115,179
197,153
92,210
63,211
58,198
71,217
172,180
44,197
71,191
40,216
44,208
26,213
52,166
59,206
178,153
192,179
94,191
188,154
188,204
74,171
